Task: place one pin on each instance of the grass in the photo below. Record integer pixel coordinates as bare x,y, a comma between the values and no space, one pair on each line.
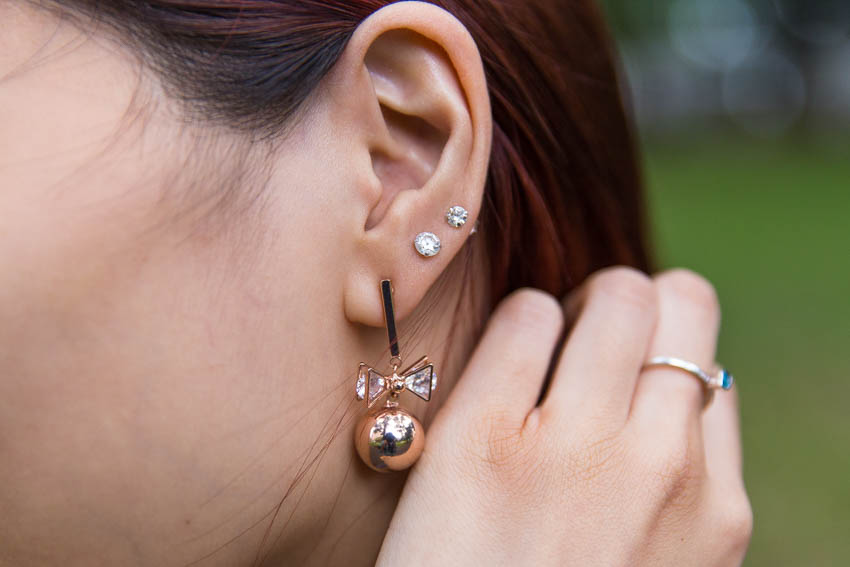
769,225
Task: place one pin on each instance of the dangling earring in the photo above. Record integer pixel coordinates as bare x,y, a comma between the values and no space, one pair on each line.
390,438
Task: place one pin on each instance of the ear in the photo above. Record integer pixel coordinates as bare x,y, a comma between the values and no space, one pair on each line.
411,84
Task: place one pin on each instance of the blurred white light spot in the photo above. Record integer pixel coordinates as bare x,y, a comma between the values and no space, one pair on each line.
766,95
718,34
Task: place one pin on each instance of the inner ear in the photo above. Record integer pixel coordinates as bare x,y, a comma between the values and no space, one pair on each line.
419,146
408,73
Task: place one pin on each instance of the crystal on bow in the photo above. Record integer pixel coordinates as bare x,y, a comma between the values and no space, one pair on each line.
376,382
421,381
420,378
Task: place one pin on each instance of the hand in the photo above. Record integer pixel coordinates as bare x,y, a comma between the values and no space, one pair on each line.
616,466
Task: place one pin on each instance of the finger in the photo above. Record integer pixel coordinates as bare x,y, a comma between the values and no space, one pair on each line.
507,369
688,320
606,348
722,439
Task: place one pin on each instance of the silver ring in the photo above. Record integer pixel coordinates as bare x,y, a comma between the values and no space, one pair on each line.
722,379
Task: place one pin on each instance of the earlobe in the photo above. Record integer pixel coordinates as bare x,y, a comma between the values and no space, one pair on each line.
427,137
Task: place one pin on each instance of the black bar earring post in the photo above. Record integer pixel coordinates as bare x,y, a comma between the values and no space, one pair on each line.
389,316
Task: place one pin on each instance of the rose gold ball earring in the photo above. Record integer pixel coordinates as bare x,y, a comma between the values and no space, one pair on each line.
391,438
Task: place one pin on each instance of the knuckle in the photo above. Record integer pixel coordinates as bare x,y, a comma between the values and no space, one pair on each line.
501,452
675,470
596,421
625,285
531,309
491,437
598,456
502,442
735,523
691,287
676,464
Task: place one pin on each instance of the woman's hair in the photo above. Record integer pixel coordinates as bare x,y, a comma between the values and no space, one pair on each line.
563,196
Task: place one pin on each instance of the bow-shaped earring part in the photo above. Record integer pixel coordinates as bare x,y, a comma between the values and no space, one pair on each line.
418,378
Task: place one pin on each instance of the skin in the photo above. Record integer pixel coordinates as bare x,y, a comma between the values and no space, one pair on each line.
173,364
616,466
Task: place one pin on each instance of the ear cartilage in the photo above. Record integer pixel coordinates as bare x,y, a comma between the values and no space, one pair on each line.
427,244
456,216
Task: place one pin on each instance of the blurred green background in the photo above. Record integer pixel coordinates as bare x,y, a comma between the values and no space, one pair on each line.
744,115
767,224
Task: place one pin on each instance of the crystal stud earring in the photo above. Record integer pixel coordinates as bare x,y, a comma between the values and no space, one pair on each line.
427,244
456,216
391,438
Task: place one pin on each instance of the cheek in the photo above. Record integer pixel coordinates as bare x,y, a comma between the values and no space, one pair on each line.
141,370
65,206
165,384
82,398
117,346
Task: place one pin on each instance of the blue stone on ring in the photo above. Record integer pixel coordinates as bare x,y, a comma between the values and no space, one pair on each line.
726,379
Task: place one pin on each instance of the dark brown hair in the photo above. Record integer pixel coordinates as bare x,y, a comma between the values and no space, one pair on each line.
563,195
